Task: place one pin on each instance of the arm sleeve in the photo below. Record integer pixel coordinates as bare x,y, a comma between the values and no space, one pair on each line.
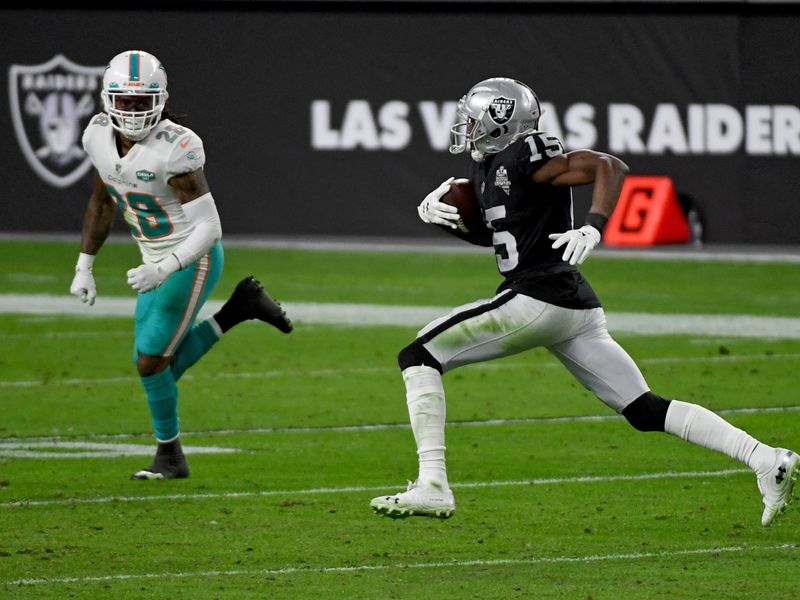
207,229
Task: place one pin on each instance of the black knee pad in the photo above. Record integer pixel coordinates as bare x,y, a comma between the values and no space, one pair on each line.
647,413
415,355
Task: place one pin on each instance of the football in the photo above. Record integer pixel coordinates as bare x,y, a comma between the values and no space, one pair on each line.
471,227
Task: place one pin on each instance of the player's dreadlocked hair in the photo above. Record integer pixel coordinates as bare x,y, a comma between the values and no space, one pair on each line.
168,114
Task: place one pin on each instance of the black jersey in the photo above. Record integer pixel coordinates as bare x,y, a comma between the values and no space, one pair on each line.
522,214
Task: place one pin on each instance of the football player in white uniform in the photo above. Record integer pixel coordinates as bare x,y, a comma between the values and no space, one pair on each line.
151,168
522,179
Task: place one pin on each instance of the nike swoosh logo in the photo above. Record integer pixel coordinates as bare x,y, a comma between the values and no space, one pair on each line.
185,143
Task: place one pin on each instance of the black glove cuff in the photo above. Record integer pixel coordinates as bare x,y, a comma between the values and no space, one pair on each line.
597,221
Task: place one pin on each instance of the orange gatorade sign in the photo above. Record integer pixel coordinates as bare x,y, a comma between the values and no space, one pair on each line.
647,213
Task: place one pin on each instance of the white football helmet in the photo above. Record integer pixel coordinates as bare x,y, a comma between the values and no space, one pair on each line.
492,115
134,93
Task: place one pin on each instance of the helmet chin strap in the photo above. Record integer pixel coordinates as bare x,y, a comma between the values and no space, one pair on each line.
477,155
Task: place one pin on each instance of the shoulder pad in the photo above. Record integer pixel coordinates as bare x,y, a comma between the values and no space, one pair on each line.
537,149
187,153
100,120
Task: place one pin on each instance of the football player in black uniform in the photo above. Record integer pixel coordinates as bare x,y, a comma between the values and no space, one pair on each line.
522,179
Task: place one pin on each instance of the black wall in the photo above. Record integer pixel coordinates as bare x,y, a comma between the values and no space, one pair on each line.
247,79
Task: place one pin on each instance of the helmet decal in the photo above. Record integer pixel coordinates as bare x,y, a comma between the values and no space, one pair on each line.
134,67
501,109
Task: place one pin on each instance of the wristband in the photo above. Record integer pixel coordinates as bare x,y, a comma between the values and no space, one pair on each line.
85,262
597,221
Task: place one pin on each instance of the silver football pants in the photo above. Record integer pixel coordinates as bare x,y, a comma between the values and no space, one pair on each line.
510,323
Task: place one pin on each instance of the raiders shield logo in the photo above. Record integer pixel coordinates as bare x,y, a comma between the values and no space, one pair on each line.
501,109
51,105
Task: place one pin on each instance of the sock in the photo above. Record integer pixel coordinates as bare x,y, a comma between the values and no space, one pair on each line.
700,426
162,396
426,409
196,343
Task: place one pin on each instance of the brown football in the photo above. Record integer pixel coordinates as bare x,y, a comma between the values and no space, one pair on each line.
471,227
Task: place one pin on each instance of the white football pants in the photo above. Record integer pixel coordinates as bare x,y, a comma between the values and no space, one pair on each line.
510,323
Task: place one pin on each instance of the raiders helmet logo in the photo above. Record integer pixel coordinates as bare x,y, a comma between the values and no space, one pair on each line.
51,104
501,109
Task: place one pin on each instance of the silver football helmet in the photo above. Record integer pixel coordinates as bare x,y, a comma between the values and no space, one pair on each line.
492,115
134,93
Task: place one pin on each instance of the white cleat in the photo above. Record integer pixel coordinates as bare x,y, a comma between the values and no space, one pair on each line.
776,485
427,500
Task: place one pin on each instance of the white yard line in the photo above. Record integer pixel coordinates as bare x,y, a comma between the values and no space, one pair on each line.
376,427
748,326
189,377
342,490
338,372
747,253
455,563
65,334
71,449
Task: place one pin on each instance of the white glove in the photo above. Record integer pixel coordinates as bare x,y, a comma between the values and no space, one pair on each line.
432,211
580,242
149,276
83,285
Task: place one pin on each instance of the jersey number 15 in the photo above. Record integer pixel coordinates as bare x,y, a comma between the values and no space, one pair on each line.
505,244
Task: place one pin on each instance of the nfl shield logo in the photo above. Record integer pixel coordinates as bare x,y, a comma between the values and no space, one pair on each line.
51,105
501,109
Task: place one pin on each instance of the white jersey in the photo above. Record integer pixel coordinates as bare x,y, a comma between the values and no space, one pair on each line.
138,182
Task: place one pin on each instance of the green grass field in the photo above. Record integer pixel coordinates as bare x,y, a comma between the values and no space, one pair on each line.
551,503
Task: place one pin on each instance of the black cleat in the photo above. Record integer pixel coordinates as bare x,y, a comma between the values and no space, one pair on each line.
251,301
169,463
